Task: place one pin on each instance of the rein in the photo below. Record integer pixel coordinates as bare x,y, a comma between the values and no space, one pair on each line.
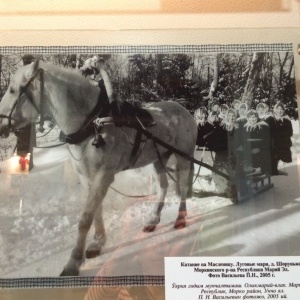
23,90
156,141
181,153
130,196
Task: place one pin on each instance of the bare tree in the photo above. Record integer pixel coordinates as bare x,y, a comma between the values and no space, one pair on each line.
253,77
291,68
214,83
282,64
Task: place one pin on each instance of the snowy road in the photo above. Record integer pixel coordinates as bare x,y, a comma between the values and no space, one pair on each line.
39,213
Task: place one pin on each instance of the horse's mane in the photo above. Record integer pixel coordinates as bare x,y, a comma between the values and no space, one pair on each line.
68,75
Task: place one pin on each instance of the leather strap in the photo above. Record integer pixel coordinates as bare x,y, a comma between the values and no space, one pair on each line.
136,150
88,129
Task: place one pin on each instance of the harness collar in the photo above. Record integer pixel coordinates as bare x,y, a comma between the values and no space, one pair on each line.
101,110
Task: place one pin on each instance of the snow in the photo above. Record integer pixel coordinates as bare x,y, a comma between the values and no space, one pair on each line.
39,213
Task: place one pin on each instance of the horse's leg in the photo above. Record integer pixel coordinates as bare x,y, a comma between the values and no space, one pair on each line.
163,184
94,248
177,185
185,180
95,197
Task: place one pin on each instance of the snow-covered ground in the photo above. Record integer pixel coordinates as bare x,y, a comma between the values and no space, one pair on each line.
39,213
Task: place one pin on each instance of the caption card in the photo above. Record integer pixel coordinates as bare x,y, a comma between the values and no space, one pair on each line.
220,278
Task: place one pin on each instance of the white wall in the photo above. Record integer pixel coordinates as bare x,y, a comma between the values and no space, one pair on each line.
89,22
147,14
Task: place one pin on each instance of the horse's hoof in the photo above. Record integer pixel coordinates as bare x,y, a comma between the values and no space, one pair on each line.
69,272
180,222
92,251
149,228
151,224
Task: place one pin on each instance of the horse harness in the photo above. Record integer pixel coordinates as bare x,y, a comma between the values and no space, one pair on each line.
138,143
98,118
23,90
100,112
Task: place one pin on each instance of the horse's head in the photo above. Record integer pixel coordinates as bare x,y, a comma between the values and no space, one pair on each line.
18,107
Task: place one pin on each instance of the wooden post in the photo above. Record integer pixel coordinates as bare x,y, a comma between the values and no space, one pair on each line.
32,144
29,132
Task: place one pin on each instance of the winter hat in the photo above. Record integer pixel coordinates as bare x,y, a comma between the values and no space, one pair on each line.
251,113
279,104
244,105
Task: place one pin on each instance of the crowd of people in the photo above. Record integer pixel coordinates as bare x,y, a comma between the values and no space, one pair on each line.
246,140
243,139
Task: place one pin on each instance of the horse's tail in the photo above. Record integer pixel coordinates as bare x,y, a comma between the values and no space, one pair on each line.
190,181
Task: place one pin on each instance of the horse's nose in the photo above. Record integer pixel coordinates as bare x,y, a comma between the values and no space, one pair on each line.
3,121
2,125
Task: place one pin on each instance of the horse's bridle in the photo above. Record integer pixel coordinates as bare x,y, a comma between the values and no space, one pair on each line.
23,90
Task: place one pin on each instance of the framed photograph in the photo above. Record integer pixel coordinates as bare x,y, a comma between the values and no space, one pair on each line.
115,157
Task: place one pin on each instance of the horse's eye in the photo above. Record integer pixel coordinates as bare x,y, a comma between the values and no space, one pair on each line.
12,90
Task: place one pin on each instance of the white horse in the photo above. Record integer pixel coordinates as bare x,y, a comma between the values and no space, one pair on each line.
71,99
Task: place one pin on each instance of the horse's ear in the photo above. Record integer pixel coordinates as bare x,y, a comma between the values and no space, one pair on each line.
33,67
36,64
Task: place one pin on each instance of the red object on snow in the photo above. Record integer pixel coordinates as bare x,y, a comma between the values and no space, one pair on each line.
23,161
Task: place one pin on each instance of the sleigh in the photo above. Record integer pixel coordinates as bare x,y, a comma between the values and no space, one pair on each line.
253,184
249,184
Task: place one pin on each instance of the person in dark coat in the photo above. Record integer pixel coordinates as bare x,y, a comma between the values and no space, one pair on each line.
236,105
230,125
260,109
242,116
215,137
241,121
268,116
281,132
237,184
201,114
223,112
201,119
215,106
257,149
